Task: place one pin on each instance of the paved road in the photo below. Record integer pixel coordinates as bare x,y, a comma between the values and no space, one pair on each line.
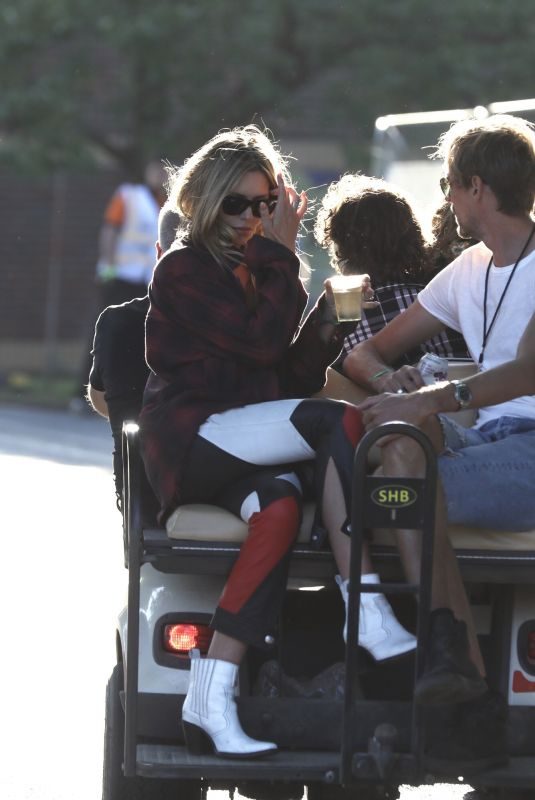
55,436
62,585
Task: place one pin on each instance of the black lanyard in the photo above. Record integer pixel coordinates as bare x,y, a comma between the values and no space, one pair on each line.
486,331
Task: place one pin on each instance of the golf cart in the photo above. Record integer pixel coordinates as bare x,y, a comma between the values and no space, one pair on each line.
344,726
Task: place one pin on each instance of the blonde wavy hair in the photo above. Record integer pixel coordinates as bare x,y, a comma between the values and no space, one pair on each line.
197,188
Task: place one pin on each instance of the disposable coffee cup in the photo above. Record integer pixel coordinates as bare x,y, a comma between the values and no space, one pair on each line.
347,292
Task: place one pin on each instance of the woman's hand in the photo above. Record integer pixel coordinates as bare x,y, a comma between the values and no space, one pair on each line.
368,293
283,223
329,300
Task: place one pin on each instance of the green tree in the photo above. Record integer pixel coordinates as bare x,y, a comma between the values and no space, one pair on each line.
129,80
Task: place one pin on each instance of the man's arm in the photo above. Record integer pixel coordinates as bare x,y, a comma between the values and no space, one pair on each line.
368,363
513,379
526,346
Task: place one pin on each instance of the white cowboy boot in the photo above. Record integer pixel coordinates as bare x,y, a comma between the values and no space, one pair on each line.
210,716
379,631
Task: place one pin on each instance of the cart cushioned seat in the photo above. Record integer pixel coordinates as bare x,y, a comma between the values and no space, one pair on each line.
206,523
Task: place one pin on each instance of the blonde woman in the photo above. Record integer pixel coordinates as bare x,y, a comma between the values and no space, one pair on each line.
224,419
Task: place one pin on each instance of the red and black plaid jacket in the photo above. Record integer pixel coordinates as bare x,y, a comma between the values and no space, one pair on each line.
209,352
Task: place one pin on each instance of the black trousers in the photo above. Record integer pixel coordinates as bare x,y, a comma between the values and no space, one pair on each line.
267,496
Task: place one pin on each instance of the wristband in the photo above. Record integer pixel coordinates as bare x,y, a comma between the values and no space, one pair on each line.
381,373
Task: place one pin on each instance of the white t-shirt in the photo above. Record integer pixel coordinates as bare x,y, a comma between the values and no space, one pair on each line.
456,297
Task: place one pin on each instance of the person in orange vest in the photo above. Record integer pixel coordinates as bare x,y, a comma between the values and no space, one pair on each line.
126,253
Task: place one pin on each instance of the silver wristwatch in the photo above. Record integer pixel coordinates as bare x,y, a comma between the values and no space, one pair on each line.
462,394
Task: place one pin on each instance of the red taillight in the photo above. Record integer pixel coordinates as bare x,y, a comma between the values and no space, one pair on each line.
182,637
531,648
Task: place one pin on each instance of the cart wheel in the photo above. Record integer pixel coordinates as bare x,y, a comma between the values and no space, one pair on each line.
114,784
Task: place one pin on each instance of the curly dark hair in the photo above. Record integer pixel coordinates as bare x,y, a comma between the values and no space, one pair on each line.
368,226
446,243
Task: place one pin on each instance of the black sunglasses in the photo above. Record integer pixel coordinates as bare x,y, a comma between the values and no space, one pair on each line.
234,204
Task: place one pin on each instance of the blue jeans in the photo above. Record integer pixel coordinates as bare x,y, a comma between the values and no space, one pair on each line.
488,474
